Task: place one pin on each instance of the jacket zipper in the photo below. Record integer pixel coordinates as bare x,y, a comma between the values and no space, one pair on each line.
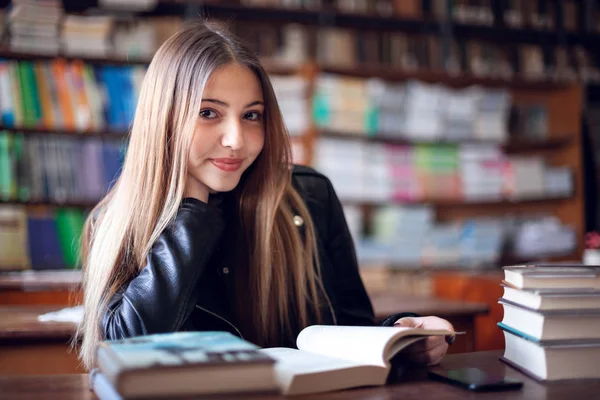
222,319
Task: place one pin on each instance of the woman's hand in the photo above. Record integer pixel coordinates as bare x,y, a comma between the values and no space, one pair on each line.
429,351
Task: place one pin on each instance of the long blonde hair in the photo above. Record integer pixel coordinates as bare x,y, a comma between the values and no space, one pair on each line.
282,271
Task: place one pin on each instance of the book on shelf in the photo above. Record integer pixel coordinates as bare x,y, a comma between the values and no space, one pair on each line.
210,363
57,169
34,26
84,35
469,172
408,237
13,239
364,50
40,240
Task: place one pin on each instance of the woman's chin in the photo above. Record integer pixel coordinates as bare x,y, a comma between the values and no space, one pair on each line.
222,187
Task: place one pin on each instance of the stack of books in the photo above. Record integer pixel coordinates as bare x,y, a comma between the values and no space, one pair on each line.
429,172
292,96
413,110
34,26
87,35
551,320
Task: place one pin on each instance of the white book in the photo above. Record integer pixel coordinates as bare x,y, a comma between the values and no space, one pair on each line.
553,299
340,357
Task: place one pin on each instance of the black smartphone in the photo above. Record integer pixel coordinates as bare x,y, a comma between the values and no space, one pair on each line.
475,379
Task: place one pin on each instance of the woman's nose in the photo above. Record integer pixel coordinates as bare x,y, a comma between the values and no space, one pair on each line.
233,136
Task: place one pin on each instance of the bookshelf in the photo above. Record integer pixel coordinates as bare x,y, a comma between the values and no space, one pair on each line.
560,146
562,97
20,55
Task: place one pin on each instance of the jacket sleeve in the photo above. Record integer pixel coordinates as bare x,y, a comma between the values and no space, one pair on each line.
353,304
163,295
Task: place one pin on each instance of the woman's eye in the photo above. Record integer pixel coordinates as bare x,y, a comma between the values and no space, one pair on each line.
252,116
208,114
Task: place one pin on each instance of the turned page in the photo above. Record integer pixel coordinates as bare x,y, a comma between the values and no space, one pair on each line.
370,345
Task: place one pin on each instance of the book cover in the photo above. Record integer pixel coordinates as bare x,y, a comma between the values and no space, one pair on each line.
181,349
185,364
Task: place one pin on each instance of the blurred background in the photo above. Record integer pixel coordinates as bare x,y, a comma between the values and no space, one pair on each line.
460,135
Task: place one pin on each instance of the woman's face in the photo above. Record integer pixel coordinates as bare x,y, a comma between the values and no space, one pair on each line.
229,133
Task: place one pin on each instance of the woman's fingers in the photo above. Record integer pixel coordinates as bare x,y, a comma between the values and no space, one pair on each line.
429,357
409,322
429,343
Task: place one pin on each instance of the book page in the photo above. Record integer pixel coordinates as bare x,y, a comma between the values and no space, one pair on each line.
361,344
294,361
300,372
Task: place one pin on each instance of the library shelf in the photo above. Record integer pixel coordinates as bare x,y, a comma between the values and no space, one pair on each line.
109,60
514,145
459,203
504,34
445,203
440,77
86,205
475,268
271,66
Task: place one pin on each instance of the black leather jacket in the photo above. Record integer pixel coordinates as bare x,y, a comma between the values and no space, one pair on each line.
184,286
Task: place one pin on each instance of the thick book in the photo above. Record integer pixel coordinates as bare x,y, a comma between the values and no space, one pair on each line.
185,364
551,360
552,324
341,357
547,276
103,389
553,299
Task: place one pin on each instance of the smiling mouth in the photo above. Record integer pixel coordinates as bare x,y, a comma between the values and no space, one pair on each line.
227,164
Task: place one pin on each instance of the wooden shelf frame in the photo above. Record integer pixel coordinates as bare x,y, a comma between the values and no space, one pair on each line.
512,146
461,203
86,205
361,71
104,134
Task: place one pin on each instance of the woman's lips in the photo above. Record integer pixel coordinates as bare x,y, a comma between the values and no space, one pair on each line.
227,164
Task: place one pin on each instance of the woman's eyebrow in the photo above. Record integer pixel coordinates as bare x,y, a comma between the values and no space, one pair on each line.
222,103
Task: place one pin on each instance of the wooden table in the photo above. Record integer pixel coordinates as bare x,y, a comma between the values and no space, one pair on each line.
415,385
29,346
461,315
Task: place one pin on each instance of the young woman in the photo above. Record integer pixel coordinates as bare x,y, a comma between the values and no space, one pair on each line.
210,226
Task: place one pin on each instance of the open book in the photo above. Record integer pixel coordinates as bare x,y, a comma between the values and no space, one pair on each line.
341,357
